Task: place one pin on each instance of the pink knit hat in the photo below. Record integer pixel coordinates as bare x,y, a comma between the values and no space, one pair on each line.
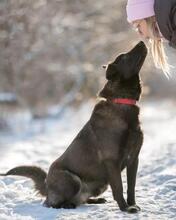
139,9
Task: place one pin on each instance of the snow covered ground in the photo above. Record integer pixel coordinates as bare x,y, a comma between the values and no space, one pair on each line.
43,141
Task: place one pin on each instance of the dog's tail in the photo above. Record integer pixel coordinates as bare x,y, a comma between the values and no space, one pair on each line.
35,173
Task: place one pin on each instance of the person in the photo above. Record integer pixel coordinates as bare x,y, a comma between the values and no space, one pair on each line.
155,20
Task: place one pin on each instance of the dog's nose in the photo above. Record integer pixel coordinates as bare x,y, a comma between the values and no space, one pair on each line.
141,44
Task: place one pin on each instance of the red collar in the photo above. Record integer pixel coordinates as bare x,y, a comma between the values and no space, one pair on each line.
124,101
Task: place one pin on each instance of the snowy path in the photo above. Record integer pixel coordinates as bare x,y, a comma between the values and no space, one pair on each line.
156,182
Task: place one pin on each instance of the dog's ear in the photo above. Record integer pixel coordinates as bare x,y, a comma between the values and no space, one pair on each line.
104,66
111,71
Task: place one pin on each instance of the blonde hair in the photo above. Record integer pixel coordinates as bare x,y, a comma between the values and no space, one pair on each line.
157,48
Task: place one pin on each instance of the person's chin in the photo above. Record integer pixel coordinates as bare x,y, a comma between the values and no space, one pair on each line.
144,37
147,38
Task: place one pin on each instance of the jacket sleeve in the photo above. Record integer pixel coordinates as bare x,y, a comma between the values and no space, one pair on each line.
173,24
173,15
165,11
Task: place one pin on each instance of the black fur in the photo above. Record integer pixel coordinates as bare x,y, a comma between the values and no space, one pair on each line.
109,142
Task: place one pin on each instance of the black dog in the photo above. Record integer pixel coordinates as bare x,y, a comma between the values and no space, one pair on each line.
109,142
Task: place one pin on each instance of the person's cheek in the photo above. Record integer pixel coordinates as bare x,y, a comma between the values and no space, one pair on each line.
144,32
140,31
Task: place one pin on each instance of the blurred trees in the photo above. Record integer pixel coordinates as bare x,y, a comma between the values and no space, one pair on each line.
57,47
50,47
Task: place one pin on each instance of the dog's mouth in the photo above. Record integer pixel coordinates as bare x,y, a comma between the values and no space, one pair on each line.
140,49
141,60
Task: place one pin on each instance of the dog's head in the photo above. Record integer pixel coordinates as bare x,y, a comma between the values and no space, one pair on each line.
123,74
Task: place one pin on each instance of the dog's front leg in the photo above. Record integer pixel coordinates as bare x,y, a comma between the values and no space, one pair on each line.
131,182
115,181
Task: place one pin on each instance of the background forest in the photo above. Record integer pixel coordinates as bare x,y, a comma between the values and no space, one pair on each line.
52,52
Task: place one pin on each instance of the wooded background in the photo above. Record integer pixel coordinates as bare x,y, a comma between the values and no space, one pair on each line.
52,52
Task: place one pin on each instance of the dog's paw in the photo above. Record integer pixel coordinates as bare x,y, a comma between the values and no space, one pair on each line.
101,200
124,208
96,201
133,209
68,206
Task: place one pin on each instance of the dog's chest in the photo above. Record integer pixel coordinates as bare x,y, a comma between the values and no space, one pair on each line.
133,145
